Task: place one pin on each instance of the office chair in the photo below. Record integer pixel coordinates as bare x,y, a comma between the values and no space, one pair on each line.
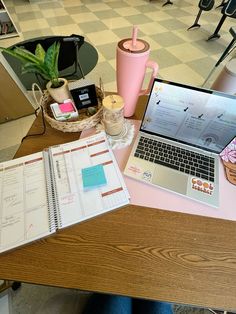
204,5
227,51
76,58
228,10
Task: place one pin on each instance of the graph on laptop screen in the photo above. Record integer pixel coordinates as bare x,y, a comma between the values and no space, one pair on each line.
202,118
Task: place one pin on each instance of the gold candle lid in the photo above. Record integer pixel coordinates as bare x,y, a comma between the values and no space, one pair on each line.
113,102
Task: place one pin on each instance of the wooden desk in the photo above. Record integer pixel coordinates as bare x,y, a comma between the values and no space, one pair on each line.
135,251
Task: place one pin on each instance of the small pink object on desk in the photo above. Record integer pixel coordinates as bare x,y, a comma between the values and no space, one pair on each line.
66,107
146,195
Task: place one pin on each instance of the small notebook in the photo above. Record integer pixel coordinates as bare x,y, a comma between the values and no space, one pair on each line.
44,192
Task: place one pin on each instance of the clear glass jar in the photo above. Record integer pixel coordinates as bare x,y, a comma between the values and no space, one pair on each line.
113,114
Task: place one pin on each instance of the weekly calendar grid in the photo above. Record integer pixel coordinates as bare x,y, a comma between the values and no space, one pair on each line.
74,201
29,211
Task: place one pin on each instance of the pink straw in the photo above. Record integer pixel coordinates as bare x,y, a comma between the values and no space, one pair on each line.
134,36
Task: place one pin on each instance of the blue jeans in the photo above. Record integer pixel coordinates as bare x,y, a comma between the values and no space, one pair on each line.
112,304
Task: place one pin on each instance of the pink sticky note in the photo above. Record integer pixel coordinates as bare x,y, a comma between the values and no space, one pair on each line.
66,107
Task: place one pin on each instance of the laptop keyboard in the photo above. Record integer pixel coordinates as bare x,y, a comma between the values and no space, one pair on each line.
176,158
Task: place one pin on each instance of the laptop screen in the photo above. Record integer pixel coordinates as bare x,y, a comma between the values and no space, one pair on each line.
190,115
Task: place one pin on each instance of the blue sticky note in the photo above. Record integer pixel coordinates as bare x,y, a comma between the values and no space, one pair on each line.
93,177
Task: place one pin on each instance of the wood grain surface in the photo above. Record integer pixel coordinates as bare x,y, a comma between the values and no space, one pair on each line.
134,251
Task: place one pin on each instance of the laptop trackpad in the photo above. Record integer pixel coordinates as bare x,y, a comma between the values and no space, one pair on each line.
170,179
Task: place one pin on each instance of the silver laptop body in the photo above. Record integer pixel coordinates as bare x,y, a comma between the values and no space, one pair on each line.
183,130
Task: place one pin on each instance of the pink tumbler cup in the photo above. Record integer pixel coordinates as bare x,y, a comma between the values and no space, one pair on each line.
131,65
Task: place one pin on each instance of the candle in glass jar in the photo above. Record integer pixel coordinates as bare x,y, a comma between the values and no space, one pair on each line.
113,116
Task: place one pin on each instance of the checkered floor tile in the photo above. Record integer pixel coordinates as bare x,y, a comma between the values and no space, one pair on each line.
183,56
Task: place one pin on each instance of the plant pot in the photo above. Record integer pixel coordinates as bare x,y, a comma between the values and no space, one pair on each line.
59,94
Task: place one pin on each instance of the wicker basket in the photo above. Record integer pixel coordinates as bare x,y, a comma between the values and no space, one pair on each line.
83,122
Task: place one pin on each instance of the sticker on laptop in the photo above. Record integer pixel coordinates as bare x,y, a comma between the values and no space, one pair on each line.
147,176
200,185
138,172
135,170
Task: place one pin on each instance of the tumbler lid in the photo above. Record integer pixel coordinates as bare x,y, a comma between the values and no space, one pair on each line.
133,44
127,45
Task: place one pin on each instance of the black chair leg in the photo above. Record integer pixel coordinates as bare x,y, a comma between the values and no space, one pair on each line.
195,24
222,4
226,52
167,2
77,62
216,34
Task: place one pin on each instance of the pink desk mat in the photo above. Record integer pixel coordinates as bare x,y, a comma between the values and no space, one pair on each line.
152,196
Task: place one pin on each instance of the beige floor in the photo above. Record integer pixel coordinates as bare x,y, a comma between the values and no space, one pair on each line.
182,56
12,132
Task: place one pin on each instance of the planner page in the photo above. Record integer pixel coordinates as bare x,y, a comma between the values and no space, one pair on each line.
24,205
87,178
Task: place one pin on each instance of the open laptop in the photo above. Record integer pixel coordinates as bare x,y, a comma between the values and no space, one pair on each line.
183,130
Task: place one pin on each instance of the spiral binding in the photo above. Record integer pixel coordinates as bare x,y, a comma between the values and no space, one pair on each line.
56,208
52,212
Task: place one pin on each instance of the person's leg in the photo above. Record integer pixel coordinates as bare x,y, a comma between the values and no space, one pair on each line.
108,304
151,307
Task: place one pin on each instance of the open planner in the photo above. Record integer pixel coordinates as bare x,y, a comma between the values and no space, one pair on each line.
45,191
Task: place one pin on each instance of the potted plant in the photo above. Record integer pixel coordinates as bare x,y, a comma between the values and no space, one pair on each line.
44,63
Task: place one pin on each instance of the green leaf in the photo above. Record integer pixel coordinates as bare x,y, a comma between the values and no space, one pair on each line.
33,68
13,53
22,54
51,59
44,63
40,66
40,52
26,55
